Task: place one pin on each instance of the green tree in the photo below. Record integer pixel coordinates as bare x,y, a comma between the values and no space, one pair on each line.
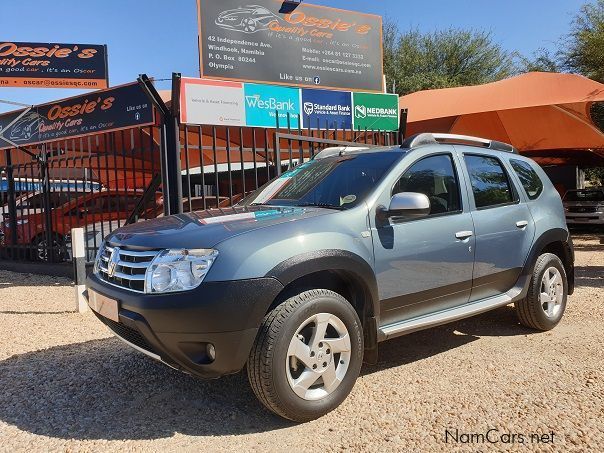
584,50
416,61
543,60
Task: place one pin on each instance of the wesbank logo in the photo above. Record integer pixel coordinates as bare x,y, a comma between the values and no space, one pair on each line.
270,104
263,101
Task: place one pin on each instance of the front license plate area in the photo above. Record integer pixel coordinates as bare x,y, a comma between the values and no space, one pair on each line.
103,305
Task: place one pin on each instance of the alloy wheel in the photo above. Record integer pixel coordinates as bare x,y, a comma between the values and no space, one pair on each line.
551,293
318,356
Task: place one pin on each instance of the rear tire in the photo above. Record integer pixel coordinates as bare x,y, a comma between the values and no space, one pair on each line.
307,355
544,305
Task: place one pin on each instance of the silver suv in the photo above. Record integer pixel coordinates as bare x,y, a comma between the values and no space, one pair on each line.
303,279
584,206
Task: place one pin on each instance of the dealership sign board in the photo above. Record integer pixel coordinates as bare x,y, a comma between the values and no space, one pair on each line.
326,109
291,44
375,111
212,102
262,102
53,65
113,109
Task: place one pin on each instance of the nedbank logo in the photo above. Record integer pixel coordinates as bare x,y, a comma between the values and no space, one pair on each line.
360,111
271,103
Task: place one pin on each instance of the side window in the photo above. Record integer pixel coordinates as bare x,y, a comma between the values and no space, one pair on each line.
435,177
489,180
533,186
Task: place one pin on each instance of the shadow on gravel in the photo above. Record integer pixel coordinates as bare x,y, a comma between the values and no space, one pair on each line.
102,390
590,276
431,342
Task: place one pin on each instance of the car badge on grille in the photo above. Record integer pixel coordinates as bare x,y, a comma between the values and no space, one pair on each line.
113,260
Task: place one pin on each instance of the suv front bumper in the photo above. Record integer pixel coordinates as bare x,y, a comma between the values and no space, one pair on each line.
176,328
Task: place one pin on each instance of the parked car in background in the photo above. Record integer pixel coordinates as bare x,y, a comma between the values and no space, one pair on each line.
30,202
301,280
97,208
584,206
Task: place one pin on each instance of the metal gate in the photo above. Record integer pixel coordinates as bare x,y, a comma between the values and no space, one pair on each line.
94,182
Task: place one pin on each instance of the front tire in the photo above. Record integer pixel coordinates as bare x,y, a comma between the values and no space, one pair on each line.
543,307
307,355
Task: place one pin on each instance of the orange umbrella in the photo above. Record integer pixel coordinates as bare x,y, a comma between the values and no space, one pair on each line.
535,111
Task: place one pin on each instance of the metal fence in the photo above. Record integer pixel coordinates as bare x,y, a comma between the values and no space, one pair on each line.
94,182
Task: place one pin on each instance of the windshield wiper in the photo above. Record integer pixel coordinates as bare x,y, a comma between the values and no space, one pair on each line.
322,205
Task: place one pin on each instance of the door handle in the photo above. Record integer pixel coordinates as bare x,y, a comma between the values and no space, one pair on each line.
522,224
464,234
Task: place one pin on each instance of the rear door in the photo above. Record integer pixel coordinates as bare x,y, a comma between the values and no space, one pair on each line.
503,225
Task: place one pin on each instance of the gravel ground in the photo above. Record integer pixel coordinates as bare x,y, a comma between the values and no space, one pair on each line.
67,385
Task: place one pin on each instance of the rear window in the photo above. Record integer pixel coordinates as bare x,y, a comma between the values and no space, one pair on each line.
489,180
528,178
584,195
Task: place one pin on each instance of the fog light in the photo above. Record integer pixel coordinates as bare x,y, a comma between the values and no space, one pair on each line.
211,351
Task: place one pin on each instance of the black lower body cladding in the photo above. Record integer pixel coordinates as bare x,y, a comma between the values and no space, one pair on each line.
178,327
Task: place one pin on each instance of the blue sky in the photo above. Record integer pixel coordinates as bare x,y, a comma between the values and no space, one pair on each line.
159,37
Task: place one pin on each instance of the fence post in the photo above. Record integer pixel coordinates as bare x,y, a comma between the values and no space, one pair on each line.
50,242
277,146
78,245
170,143
402,127
12,203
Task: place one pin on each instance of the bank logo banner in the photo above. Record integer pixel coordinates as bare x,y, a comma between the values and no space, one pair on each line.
326,109
375,111
262,102
212,102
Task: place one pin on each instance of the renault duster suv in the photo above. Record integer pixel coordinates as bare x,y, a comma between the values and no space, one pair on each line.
307,275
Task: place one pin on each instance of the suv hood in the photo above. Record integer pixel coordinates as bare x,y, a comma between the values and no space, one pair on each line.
205,229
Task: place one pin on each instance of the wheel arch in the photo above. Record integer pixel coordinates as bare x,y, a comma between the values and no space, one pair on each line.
343,272
558,242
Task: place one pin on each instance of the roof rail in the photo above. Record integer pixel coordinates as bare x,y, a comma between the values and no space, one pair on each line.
436,138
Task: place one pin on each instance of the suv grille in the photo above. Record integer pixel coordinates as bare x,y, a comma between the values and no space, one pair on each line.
124,268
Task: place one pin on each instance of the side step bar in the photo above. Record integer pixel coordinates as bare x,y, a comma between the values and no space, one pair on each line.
442,317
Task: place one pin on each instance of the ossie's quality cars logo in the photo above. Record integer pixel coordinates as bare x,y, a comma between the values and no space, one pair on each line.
39,56
254,18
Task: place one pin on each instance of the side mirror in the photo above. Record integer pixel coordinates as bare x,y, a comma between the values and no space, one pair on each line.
410,205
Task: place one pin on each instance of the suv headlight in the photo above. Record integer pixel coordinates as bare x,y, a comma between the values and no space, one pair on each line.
179,270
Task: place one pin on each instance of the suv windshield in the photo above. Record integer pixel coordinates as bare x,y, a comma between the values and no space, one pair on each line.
584,195
339,182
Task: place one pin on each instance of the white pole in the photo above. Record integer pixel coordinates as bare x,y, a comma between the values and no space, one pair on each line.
78,245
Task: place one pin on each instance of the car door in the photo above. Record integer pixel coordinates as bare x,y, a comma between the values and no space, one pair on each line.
503,225
425,265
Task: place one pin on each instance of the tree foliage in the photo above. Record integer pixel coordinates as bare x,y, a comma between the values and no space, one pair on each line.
543,60
584,49
416,61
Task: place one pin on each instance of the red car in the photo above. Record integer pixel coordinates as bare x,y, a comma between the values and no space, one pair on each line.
87,209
